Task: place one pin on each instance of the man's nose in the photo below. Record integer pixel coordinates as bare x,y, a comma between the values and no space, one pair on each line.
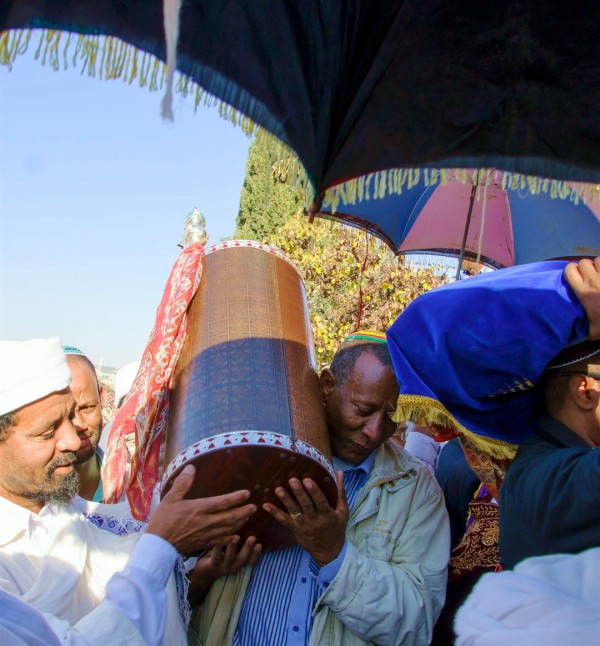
373,429
79,422
67,438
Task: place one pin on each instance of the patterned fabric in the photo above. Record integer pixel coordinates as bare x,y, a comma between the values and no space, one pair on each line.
122,526
69,349
478,549
183,584
145,411
278,608
364,336
489,469
114,524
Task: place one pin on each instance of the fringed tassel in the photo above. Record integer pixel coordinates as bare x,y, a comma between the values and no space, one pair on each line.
425,411
393,181
106,57
109,58
13,44
171,10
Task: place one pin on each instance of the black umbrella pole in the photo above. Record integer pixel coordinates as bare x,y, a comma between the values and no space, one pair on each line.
464,242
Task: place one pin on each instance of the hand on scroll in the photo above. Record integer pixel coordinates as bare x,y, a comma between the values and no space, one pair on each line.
220,561
191,525
320,529
584,278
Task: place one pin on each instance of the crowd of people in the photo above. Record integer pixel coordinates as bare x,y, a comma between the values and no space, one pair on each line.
415,551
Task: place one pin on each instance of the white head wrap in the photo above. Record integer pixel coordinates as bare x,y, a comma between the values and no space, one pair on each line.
552,599
30,370
124,380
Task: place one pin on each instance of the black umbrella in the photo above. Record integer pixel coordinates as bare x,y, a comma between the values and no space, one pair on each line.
357,86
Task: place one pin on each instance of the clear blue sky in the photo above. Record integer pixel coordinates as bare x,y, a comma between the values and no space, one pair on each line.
94,189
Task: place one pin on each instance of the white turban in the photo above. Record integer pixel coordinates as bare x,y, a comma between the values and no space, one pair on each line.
124,380
30,370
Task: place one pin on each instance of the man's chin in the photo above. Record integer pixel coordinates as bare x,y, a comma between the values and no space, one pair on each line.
58,492
81,457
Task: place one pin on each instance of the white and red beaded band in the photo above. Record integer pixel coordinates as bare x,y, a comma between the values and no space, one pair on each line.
230,244
246,438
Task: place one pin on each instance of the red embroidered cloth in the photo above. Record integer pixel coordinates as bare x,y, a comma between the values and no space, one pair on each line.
145,411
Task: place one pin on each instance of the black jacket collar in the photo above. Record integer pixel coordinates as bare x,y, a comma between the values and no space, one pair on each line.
557,433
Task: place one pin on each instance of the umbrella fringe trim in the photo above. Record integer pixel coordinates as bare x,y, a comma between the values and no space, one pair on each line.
394,181
426,411
110,58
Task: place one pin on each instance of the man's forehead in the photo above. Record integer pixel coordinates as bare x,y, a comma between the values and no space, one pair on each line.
368,379
79,363
83,374
369,366
52,407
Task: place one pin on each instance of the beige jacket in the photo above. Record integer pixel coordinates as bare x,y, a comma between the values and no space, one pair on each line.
391,586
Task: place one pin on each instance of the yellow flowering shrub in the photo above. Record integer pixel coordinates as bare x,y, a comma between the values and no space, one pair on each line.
330,256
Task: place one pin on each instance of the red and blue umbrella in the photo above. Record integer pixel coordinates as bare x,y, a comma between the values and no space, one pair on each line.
473,215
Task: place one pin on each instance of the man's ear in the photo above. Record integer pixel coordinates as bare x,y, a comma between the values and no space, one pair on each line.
327,380
583,392
101,392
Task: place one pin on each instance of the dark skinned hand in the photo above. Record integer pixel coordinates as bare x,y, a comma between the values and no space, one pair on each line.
320,529
220,561
584,278
192,525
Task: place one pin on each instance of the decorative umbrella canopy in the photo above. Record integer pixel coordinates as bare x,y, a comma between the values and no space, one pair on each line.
359,86
475,214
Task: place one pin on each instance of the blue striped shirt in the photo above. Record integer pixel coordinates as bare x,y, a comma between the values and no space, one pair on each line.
277,608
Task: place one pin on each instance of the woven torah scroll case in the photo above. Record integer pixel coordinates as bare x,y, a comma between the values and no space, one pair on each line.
246,407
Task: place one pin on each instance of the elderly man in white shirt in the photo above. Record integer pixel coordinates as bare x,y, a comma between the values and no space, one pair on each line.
93,574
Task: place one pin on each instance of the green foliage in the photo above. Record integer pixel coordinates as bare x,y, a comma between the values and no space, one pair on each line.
267,201
330,258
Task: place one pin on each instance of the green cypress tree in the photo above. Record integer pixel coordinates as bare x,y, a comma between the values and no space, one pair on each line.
266,200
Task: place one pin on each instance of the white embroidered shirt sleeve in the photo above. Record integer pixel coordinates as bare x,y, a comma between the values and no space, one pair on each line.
95,587
135,606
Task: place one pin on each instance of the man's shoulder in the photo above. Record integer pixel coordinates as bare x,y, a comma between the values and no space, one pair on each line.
545,448
17,519
533,448
397,458
533,460
396,464
542,462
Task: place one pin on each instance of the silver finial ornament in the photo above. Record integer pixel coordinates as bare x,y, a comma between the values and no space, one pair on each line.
194,229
